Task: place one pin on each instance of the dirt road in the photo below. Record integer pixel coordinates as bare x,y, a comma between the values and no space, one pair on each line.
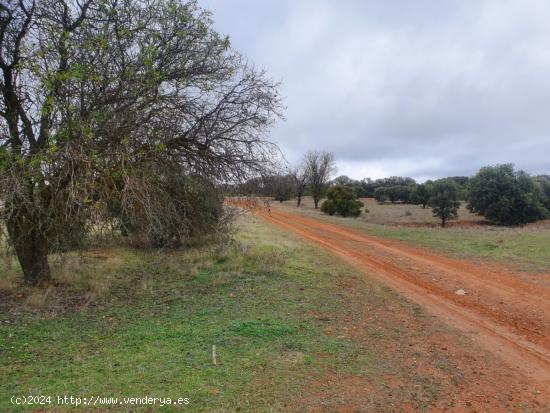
500,311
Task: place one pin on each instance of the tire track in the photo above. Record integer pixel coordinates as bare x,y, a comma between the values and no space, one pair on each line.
504,314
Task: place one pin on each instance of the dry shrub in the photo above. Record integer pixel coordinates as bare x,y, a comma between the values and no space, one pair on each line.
169,209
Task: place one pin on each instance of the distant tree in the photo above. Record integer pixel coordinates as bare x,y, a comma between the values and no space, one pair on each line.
362,192
342,200
301,179
462,182
394,194
319,166
459,180
544,184
391,193
343,180
395,181
404,193
381,194
279,187
505,196
368,187
351,183
420,195
444,200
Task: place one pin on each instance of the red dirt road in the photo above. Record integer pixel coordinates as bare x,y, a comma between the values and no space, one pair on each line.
501,311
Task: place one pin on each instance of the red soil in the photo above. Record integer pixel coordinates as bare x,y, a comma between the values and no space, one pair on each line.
502,311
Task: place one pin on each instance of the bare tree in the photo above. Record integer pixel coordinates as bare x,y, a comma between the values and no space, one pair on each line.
301,179
320,167
101,100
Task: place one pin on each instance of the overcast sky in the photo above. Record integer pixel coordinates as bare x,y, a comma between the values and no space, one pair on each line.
423,88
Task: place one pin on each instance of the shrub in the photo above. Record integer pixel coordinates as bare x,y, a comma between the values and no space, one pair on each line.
342,200
505,196
444,200
169,209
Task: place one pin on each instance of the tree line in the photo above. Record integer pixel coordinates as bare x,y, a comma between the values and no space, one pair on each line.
502,194
310,177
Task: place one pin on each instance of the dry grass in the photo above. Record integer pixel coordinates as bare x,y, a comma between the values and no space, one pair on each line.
7,283
400,214
80,280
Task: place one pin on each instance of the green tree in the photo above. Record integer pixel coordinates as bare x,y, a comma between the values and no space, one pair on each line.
444,200
395,193
358,186
99,100
381,194
342,200
280,187
505,196
544,183
420,194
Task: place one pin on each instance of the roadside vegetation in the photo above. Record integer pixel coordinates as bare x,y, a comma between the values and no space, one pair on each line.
500,194
282,314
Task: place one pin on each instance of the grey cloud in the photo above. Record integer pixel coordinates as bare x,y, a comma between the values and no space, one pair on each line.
424,88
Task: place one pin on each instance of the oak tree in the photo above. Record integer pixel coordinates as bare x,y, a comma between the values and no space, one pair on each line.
102,102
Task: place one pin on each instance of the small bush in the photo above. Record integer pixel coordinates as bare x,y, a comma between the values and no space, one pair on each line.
342,201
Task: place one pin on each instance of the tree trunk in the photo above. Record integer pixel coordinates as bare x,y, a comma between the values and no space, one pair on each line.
32,253
31,248
299,200
316,202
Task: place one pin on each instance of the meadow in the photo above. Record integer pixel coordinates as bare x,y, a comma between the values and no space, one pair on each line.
126,323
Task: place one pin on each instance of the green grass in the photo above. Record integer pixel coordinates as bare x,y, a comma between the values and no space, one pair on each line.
527,247
154,335
286,319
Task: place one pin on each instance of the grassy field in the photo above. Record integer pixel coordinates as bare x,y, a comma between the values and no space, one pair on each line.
129,324
527,247
405,214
